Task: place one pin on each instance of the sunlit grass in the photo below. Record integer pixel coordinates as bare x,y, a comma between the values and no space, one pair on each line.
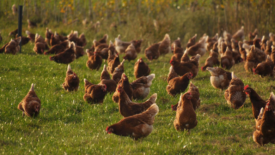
67,124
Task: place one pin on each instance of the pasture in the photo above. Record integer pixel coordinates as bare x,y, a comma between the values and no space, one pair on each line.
68,125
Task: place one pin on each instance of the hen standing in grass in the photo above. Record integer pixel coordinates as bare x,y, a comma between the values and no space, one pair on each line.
13,46
128,108
212,60
141,86
94,60
264,68
67,56
219,78
71,81
234,95
186,118
124,83
141,69
31,24
265,124
119,70
136,126
94,93
257,102
31,104
178,84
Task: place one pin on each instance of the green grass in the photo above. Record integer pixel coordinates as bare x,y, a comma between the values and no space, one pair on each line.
67,124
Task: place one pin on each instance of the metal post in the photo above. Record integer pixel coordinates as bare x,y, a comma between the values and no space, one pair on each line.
20,8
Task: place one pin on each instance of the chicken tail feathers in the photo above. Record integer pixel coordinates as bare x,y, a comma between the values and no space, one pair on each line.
153,98
148,116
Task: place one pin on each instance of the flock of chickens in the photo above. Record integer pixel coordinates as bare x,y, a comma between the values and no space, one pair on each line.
258,55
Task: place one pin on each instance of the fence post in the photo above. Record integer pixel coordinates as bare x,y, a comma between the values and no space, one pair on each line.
20,7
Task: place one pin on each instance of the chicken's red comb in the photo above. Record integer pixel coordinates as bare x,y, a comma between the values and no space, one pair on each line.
171,61
191,74
45,53
254,69
51,58
202,68
107,128
246,87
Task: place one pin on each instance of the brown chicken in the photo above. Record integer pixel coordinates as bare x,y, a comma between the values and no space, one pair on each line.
100,49
130,53
265,124
198,48
31,104
227,60
164,45
121,46
111,85
105,74
124,83
219,78
39,38
119,70
31,24
141,86
242,51
79,51
212,60
172,74
239,35
186,118
14,9
58,48
54,39
48,35
268,48
137,44
13,47
30,35
264,68
13,33
177,53
112,53
176,43
191,41
128,108
141,69
94,60
112,64
234,95
252,35
39,48
67,56
196,102
178,84
186,67
94,93
184,58
2,49
152,52
272,55
103,40
257,102
136,126
71,81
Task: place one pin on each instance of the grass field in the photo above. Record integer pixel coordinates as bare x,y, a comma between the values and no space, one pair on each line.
68,125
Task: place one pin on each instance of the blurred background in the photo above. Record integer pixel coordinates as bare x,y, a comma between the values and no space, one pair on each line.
148,18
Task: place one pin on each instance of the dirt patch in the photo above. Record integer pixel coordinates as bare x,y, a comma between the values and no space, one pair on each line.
208,107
